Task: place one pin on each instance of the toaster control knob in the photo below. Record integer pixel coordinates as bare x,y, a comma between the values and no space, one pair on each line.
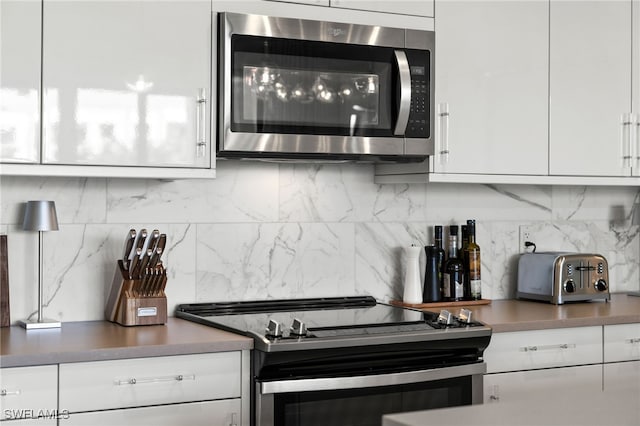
569,286
601,285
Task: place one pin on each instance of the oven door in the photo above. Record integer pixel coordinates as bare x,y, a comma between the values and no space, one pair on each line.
363,400
302,88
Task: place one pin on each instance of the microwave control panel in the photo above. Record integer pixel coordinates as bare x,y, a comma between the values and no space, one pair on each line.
418,125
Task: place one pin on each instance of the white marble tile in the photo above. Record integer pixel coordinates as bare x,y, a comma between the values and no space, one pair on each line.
498,243
271,260
345,193
78,200
588,203
455,203
620,246
380,262
242,192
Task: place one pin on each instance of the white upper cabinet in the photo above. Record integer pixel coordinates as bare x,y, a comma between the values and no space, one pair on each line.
491,78
635,84
127,83
20,81
406,7
311,2
590,87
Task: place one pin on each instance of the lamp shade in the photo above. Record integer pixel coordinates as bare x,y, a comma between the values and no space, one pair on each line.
40,216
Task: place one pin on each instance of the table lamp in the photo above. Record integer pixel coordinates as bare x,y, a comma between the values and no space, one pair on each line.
40,216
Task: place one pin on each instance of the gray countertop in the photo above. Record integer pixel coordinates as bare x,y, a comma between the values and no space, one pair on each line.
102,340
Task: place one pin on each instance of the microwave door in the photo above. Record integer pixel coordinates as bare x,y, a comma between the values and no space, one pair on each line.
405,92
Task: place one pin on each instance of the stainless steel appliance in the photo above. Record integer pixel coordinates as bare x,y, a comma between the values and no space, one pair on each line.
349,360
559,277
304,89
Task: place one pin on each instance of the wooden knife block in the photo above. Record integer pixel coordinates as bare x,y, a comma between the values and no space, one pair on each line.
126,308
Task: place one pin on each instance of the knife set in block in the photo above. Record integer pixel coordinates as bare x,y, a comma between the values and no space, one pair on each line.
137,292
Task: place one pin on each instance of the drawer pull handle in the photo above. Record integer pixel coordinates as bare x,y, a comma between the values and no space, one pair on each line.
4,392
633,341
146,380
547,347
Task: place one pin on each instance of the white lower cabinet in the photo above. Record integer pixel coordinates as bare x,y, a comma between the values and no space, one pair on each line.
622,359
527,365
536,384
154,390
29,395
212,413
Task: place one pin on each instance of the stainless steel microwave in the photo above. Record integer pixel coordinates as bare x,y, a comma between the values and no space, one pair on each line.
315,90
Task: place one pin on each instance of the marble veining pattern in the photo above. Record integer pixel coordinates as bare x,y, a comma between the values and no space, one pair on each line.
263,230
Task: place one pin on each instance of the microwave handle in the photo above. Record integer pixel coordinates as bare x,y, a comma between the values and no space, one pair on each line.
405,92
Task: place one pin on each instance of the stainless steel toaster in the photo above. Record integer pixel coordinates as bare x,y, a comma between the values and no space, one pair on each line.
559,277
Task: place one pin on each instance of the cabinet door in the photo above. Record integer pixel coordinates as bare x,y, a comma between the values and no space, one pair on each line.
622,378
312,2
29,392
125,83
491,73
590,87
19,81
405,7
210,413
635,73
535,385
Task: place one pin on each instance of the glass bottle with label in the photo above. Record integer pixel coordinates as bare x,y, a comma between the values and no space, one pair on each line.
453,277
472,264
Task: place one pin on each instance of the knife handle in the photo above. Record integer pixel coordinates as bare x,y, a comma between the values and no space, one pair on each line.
134,267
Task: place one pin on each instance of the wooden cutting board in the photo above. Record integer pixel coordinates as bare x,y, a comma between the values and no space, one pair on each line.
5,316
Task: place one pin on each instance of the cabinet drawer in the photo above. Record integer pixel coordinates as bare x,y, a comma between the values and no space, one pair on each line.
212,413
527,350
27,392
621,342
89,386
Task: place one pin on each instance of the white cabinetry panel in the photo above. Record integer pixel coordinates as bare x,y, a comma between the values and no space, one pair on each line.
101,385
590,86
527,350
536,384
622,377
27,392
621,342
492,73
20,81
210,413
122,83
407,7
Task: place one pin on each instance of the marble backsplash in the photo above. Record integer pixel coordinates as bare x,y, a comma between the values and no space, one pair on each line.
279,230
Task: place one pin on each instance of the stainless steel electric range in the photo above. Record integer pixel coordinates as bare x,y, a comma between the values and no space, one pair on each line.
349,360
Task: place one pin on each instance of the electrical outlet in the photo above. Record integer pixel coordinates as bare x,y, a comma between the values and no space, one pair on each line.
525,235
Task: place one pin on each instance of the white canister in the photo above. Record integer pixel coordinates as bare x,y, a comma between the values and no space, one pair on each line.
412,282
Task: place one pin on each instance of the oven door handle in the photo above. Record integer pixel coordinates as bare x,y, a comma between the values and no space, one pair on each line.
405,92
390,379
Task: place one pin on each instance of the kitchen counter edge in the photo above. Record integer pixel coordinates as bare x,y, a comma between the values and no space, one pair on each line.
85,341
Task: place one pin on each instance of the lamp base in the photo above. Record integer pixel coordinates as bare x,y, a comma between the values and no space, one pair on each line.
35,325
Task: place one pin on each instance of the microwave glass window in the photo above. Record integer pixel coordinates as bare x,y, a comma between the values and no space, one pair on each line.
304,87
310,98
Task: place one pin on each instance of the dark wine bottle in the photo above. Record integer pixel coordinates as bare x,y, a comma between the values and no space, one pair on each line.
453,276
471,256
437,239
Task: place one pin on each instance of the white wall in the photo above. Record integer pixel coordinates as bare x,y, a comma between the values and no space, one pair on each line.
263,230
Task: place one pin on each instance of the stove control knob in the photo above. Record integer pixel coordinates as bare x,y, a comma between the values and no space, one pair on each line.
274,329
569,286
298,328
601,285
445,317
465,316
